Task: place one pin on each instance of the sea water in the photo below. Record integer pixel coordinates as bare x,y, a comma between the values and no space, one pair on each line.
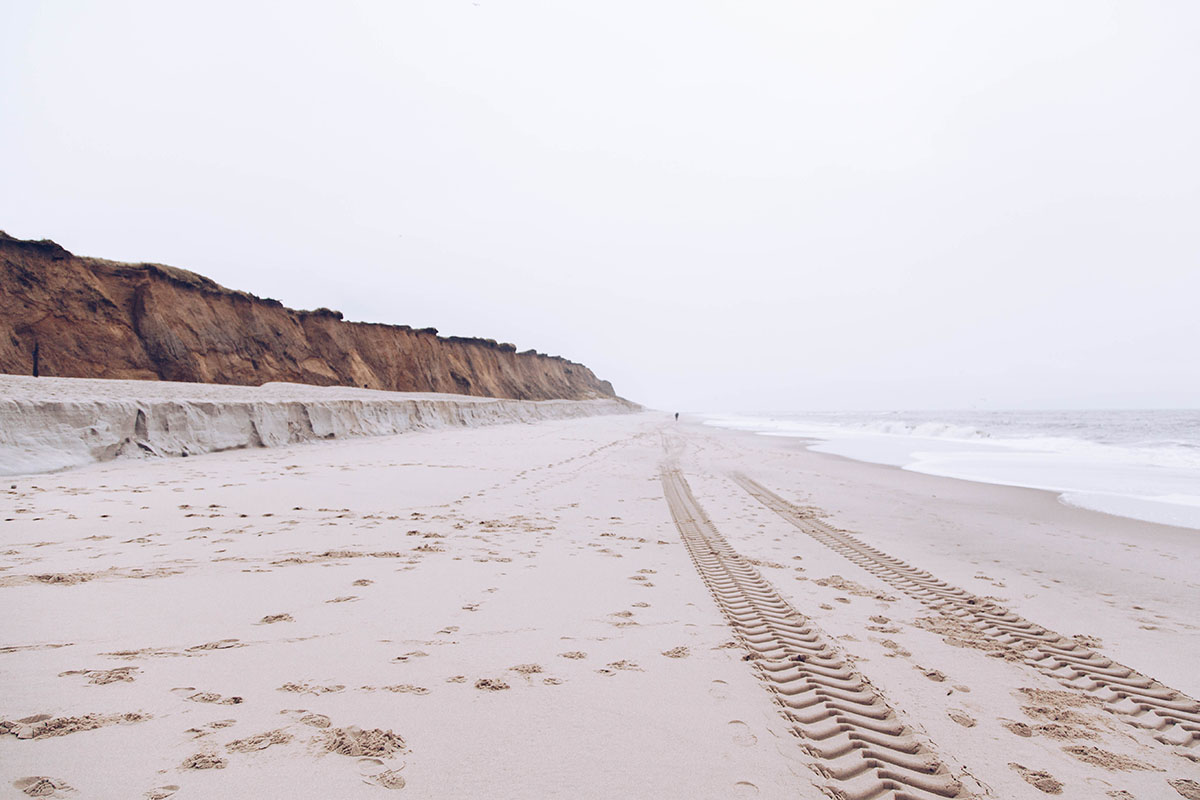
1139,464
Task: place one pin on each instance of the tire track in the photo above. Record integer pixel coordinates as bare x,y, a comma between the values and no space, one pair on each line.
1170,716
857,742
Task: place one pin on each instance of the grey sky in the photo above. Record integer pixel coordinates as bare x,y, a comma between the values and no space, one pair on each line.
736,205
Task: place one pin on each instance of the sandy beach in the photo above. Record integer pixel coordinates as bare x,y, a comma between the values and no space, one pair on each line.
606,606
599,401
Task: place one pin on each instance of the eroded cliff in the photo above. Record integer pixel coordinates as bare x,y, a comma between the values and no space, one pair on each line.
68,316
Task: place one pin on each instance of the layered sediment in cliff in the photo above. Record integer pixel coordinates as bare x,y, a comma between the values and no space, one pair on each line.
68,316
55,423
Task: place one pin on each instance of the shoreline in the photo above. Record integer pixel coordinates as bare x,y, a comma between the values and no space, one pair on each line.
1165,504
1055,494
518,608
1041,507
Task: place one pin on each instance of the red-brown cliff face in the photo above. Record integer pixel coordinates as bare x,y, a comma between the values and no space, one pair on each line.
90,318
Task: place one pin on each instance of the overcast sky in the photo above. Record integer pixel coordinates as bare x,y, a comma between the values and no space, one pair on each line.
716,205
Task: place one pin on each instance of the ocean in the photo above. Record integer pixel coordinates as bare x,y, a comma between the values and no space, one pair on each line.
1139,464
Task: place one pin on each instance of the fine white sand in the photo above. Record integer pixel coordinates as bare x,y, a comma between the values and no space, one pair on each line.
514,612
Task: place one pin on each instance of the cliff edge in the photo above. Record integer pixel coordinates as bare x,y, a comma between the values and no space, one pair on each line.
49,424
69,316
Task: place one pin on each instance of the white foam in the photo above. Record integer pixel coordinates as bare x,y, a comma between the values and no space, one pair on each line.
1180,511
1156,482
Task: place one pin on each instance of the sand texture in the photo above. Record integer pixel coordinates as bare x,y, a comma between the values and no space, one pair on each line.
614,605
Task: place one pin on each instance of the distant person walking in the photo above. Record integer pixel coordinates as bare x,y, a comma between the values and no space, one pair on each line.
677,416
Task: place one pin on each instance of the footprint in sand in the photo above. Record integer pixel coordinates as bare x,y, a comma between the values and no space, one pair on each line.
309,688
102,677
216,725
220,644
719,689
527,669
934,675
203,761
161,792
370,766
1186,787
745,789
1039,779
41,786
742,734
315,720
359,743
191,694
1019,728
259,741
962,718
385,778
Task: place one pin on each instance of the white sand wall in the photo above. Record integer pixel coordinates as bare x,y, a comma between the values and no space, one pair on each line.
54,423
